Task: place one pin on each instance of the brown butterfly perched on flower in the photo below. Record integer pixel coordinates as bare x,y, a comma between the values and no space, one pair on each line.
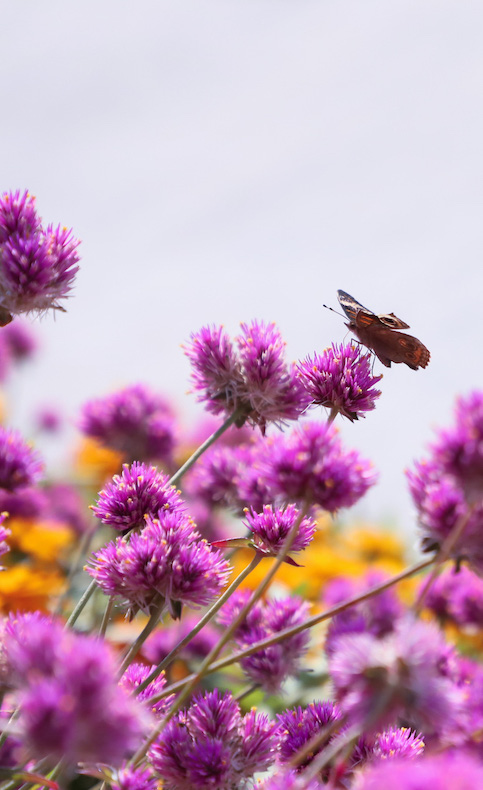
379,334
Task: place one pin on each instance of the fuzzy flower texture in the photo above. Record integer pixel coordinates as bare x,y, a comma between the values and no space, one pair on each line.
37,264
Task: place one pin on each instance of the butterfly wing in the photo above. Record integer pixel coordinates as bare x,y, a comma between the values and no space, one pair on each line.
392,346
350,306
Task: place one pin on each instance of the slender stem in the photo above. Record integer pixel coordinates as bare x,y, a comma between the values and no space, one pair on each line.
148,628
201,449
204,620
106,617
443,554
296,629
81,603
246,691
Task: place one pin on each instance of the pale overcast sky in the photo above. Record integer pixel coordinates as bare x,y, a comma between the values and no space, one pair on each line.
224,161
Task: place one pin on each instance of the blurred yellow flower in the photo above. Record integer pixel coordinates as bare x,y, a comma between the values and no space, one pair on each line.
47,541
26,587
94,463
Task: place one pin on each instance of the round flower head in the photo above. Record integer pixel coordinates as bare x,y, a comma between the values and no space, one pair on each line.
20,339
299,725
340,378
399,675
311,464
37,265
70,704
257,381
211,745
139,491
167,558
134,422
134,675
20,465
271,527
448,771
457,595
272,665
214,478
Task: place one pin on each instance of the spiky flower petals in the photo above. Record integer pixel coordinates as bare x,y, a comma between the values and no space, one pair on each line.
257,382
341,379
167,559
298,726
271,527
71,707
400,675
37,265
211,745
134,422
139,491
136,674
270,666
20,465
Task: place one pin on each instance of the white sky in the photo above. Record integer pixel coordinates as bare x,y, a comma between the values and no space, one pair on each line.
224,161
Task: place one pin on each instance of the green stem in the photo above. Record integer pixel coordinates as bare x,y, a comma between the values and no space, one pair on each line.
148,628
81,603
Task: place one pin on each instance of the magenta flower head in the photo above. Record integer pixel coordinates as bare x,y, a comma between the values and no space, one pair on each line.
310,464
166,560
37,265
128,778
401,675
136,674
448,487
272,665
453,770
70,704
340,378
457,595
134,422
20,465
270,529
20,339
257,381
211,745
298,726
139,491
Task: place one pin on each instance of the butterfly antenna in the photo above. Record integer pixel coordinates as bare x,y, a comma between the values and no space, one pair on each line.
333,311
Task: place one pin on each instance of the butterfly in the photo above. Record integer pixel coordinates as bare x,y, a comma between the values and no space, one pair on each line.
379,334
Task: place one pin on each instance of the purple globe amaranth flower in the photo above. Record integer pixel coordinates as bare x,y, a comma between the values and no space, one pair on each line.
310,464
457,595
340,378
136,674
452,770
20,465
167,559
70,704
270,529
270,666
256,382
212,745
214,478
298,726
401,675
139,491
20,339
134,422
397,742
129,778
48,419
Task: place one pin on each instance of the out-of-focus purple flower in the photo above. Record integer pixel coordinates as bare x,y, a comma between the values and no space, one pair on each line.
133,779
290,780
447,488
270,529
4,535
37,265
377,615
70,704
134,422
20,339
398,742
214,478
5,357
28,502
167,636
399,675
20,465
136,674
139,491
65,505
340,378
272,665
457,595
211,745
48,419
167,558
256,381
311,464
298,726
448,771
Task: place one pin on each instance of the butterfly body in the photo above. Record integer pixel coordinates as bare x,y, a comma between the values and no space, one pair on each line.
379,334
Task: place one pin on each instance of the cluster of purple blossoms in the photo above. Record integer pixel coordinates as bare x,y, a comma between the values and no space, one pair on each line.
341,379
448,488
298,726
211,745
401,676
37,264
457,595
134,422
167,560
255,381
269,667
70,704
271,527
139,491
